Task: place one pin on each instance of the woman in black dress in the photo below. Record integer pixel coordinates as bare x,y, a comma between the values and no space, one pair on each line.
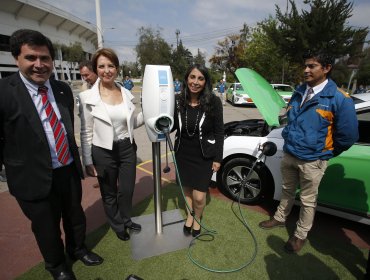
198,142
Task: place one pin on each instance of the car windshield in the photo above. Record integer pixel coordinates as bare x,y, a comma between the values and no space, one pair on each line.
356,100
239,87
283,88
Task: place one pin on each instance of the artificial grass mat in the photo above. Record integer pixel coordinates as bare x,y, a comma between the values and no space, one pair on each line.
322,257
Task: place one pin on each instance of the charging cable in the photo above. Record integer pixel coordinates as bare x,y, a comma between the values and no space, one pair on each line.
165,130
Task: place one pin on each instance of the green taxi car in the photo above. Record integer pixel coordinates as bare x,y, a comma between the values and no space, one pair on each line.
285,91
236,95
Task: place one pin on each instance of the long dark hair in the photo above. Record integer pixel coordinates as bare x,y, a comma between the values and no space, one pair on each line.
204,97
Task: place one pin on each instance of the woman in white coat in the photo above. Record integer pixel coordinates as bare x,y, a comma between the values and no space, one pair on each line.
107,140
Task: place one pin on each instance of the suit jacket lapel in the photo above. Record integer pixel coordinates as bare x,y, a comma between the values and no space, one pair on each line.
98,109
27,107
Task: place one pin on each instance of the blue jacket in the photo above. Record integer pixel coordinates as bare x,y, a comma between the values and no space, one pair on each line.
221,87
177,86
128,84
324,127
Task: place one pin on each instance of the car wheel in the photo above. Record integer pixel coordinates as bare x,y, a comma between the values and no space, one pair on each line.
234,179
233,101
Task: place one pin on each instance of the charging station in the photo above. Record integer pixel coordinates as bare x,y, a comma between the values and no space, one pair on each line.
162,231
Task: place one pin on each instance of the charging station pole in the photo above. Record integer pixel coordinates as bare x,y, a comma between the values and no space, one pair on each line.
158,104
156,150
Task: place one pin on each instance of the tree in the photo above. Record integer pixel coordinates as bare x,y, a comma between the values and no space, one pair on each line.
73,52
227,53
200,58
363,74
230,53
131,69
340,73
152,48
322,28
263,55
181,59
252,48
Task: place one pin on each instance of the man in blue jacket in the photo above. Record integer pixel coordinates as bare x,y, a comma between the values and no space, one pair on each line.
177,86
322,123
128,84
221,90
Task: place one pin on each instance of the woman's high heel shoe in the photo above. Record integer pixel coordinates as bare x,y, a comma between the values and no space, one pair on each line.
187,230
196,232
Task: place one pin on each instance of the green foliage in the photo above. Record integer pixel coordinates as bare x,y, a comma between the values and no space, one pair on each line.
340,73
323,27
252,48
263,55
363,75
200,58
131,69
152,48
276,46
73,53
181,59
227,56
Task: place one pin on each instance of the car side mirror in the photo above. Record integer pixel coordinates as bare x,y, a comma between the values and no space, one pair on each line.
269,148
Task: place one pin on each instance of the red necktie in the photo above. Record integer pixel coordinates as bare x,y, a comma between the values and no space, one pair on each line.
61,144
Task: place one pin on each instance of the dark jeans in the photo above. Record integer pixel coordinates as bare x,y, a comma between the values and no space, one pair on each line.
116,170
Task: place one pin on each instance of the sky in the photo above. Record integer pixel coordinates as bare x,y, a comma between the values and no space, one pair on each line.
202,23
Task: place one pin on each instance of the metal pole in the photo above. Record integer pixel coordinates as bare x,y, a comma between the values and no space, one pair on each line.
156,151
98,24
60,55
353,73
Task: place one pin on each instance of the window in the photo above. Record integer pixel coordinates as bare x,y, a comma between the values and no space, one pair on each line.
4,43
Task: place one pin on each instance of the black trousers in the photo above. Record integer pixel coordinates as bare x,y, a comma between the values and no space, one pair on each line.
63,202
116,170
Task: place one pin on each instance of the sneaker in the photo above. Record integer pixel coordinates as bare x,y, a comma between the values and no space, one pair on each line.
272,223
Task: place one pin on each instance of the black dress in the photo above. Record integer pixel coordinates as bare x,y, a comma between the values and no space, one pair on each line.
195,170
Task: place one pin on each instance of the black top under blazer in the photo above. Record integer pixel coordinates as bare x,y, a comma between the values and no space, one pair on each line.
24,148
211,130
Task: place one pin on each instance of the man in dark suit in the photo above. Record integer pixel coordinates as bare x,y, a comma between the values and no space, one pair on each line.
39,151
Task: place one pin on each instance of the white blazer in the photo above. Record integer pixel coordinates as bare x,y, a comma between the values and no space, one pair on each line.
96,126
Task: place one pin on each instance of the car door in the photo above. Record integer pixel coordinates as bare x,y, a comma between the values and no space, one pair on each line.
346,183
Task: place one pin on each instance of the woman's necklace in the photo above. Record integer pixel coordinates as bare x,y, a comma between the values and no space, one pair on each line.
186,123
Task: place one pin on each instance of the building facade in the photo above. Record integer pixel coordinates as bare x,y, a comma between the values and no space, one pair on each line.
61,27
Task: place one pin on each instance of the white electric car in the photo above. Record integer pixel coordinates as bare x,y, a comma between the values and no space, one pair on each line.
345,188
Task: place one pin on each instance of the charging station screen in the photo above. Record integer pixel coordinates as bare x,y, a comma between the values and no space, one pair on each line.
162,76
